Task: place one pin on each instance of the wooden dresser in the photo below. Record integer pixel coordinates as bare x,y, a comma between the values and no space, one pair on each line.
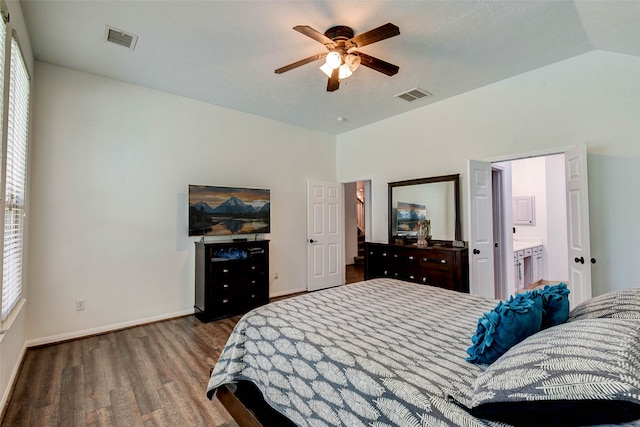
231,278
442,266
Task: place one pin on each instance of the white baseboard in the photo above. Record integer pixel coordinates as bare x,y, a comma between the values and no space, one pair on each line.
103,329
287,292
12,381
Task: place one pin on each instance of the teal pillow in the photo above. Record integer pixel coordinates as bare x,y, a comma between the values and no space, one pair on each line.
555,305
506,325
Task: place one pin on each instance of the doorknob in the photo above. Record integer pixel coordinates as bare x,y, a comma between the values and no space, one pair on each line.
580,260
476,251
593,260
311,240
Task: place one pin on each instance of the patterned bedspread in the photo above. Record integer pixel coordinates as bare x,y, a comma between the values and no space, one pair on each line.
376,353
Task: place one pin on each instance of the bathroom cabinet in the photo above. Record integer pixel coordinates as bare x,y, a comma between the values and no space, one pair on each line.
528,267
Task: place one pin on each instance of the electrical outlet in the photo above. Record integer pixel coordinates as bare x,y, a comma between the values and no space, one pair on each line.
79,304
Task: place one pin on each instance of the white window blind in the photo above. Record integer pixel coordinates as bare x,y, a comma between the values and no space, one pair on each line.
3,37
15,180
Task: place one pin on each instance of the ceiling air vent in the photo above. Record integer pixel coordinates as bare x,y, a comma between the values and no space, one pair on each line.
120,37
413,94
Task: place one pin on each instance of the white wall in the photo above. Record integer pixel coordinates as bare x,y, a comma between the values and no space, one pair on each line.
528,178
593,98
110,169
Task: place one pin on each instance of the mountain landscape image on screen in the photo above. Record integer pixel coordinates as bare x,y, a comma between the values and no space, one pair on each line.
228,211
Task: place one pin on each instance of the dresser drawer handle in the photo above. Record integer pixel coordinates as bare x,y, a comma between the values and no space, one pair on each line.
411,257
253,296
395,255
253,267
411,277
226,285
443,261
225,270
384,254
224,301
253,282
425,259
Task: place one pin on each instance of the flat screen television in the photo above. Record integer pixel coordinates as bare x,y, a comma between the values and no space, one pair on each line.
219,211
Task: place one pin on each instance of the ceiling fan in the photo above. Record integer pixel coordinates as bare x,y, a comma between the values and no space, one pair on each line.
342,56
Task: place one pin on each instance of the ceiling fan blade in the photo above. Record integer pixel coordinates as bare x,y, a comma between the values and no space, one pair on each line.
316,35
383,32
301,62
377,64
334,81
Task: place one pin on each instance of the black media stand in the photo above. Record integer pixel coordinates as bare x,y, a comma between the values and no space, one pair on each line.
231,278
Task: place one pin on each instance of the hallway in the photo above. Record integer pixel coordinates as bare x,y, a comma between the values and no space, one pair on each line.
354,273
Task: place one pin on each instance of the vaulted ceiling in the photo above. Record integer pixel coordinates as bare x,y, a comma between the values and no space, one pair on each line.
225,52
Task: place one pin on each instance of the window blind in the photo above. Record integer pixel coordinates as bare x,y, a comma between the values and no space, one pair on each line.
15,180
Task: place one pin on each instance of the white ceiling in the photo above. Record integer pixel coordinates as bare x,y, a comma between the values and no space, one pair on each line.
225,52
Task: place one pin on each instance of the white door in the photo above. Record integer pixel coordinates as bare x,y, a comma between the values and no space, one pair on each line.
578,225
480,229
324,235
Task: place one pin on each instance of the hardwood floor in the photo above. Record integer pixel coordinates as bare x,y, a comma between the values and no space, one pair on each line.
151,375
354,273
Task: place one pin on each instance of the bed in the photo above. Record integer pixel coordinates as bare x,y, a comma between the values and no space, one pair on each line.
390,353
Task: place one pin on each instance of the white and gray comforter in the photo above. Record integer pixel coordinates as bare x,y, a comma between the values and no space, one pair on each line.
381,352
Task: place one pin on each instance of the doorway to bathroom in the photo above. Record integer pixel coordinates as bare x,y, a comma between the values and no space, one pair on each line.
541,209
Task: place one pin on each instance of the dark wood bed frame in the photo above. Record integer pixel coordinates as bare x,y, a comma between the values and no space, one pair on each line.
248,408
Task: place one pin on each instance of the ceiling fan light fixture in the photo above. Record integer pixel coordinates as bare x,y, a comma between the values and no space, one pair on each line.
344,72
326,69
333,60
342,58
352,61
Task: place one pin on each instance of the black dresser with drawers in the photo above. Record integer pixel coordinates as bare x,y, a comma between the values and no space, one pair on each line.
231,278
442,266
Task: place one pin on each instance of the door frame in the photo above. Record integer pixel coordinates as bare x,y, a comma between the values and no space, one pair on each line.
500,276
368,213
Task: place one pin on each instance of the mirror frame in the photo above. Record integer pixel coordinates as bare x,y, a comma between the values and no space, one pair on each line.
455,178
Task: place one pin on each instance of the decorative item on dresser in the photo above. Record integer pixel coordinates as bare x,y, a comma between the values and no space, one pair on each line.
442,266
231,278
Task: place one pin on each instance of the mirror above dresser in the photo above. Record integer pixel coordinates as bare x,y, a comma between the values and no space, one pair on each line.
436,199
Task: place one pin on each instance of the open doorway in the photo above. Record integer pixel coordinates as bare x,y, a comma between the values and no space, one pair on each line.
356,218
530,223
573,234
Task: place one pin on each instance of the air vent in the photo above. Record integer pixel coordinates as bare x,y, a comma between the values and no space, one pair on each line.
413,94
120,37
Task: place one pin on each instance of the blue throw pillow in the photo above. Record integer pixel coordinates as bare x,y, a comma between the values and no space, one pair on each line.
555,304
505,326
